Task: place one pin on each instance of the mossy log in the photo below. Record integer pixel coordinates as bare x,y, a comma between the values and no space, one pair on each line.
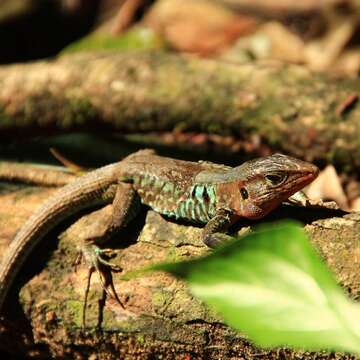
162,318
308,115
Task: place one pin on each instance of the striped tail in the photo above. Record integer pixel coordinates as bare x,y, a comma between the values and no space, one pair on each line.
89,190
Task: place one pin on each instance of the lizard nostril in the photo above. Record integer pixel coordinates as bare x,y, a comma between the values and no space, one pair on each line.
314,171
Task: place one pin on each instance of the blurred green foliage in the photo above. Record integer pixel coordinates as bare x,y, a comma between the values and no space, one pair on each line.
271,285
136,38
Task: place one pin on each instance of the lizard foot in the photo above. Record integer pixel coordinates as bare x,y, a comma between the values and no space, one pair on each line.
94,258
216,239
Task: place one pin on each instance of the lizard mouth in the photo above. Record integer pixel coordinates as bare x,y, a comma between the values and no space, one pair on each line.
308,178
300,181
311,175
303,180
307,175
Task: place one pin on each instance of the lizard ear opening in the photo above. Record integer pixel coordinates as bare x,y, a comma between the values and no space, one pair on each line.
244,193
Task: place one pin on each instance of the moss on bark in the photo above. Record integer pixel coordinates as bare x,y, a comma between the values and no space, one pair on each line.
309,115
162,318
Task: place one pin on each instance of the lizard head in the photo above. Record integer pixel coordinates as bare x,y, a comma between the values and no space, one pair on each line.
264,183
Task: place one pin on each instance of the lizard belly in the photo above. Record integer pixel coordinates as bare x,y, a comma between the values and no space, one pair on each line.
195,203
199,204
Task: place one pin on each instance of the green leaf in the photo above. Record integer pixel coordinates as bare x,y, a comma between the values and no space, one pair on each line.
273,287
135,38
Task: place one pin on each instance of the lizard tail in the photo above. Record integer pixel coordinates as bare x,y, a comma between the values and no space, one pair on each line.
87,191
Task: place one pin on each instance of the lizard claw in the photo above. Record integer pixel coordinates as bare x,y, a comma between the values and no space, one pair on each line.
216,239
107,253
93,256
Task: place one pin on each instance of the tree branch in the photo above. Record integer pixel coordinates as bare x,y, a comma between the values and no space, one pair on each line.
291,109
161,317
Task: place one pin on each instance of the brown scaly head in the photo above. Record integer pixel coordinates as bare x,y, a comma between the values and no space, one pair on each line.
260,185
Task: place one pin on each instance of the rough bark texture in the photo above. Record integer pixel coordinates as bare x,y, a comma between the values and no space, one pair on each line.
293,110
162,318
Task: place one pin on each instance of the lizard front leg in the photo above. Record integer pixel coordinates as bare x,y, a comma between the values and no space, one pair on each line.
123,209
213,232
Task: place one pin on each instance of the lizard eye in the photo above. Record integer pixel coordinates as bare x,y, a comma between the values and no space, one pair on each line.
244,194
276,179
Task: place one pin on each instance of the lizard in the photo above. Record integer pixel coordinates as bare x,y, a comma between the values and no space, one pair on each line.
202,192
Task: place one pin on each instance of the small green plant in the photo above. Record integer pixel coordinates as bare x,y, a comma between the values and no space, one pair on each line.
273,287
135,38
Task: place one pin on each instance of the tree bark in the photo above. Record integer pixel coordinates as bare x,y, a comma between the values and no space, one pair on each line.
162,318
309,115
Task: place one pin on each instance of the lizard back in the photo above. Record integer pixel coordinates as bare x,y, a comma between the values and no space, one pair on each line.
169,186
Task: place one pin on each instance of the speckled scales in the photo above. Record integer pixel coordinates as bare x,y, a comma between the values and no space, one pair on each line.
195,202
197,191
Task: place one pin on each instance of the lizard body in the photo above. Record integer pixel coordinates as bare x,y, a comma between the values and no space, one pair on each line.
202,192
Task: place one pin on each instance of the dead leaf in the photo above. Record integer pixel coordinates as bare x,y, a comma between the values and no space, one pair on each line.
274,8
348,63
125,16
284,45
355,204
200,27
322,53
327,186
